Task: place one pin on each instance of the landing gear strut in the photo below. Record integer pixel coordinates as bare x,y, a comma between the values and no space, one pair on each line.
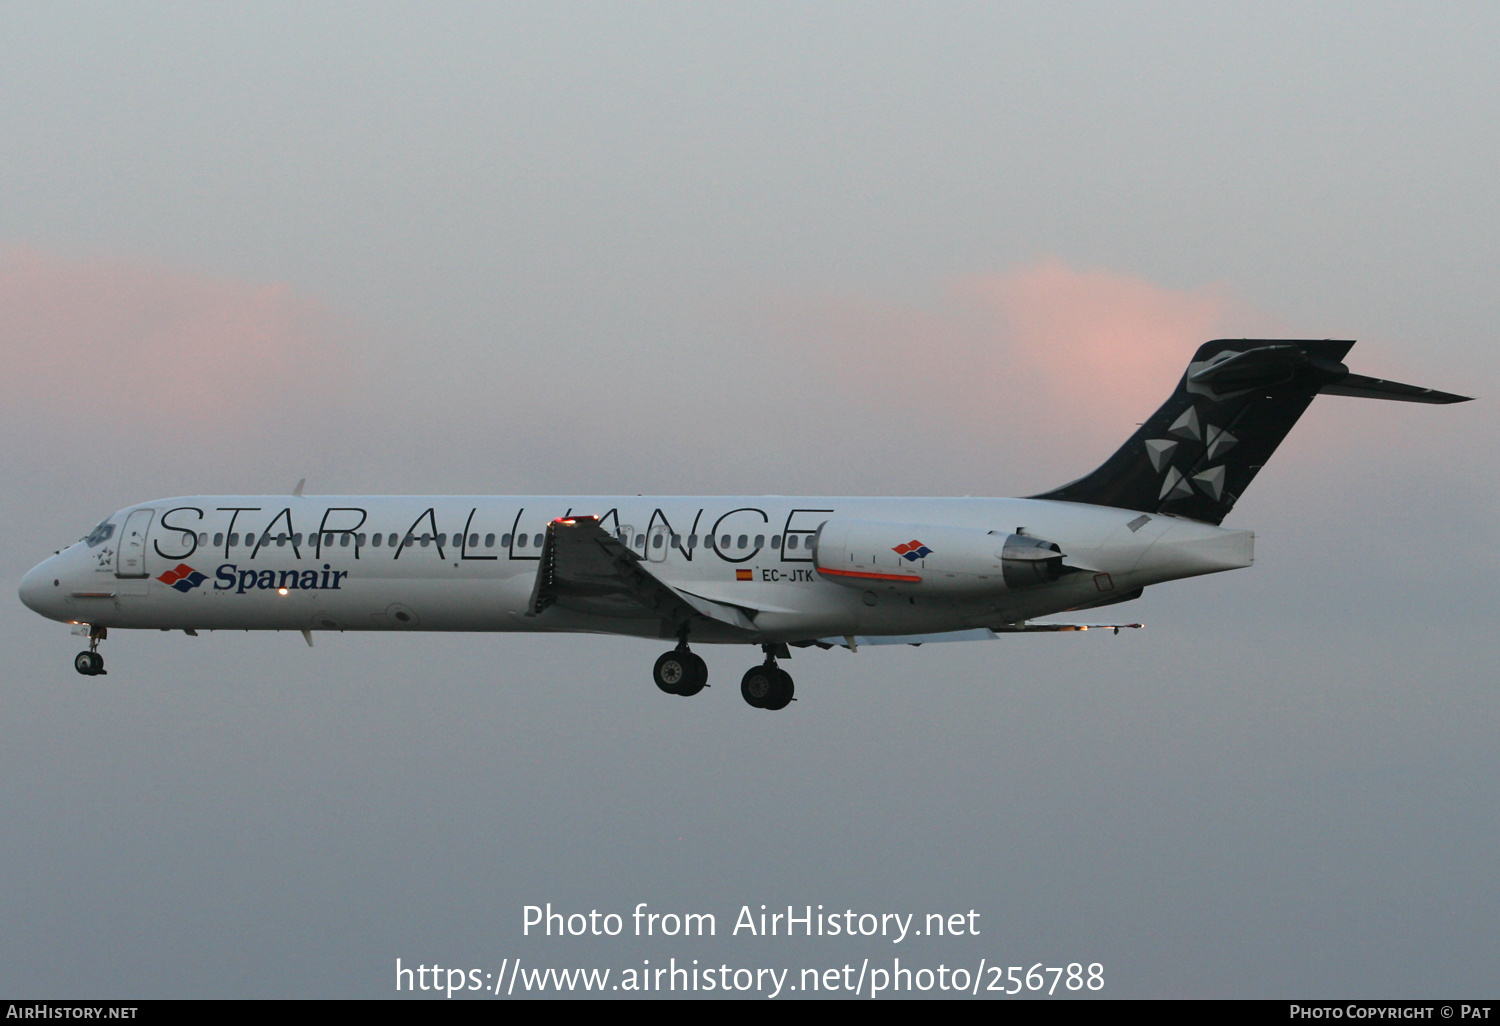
767,686
680,672
91,663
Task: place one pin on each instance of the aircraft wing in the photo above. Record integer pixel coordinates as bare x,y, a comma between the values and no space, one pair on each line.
585,568
976,634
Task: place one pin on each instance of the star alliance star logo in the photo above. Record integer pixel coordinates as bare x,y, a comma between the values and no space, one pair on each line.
183,577
1191,429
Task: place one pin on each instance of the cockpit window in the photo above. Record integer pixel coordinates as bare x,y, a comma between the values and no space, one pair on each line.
101,534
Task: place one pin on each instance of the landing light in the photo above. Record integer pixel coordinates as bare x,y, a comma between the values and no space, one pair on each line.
281,591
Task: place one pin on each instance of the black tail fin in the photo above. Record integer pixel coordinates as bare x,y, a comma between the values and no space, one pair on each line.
1238,399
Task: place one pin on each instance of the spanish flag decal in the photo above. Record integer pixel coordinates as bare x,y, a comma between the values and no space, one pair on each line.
742,575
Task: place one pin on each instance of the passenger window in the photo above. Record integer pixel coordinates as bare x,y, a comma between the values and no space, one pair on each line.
656,541
677,540
359,539
410,541
724,542
640,541
505,541
281,540
391,540
375,540
442,539
344,539
743,541
473,541
775,541
521,540
203,539
760,540
692,541
297,538
218,539
426,540
489,541
249,540
234,539
791,541
537,541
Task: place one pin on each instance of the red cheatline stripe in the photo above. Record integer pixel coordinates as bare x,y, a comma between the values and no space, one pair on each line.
902,578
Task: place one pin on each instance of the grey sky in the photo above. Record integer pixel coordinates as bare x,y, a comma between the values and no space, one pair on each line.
847,249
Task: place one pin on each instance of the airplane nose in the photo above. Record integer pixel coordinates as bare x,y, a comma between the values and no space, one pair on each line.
38,590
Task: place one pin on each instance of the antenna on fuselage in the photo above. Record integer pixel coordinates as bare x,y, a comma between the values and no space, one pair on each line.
298,490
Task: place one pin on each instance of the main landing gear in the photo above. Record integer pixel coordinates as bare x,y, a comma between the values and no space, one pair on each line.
767,686
91,663
680,672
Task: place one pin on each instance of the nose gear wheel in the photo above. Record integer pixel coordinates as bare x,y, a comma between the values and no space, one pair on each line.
91,663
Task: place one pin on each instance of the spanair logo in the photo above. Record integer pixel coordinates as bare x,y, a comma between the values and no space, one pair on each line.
183,577
913,551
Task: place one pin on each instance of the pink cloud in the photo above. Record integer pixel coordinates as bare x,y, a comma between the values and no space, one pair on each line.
1100,346
1029,377
132,343
1043,353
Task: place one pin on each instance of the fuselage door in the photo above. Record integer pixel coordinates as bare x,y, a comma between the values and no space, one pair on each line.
626,534
658,543
130,554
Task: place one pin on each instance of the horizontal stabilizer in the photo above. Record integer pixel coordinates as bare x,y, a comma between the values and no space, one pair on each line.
1377,388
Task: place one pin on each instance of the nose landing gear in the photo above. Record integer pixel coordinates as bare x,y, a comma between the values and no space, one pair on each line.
767,686
680,672
91,663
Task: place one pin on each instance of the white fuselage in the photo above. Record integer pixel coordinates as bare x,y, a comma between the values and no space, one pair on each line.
469,563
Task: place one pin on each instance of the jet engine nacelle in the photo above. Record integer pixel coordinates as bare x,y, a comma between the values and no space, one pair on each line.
956,561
